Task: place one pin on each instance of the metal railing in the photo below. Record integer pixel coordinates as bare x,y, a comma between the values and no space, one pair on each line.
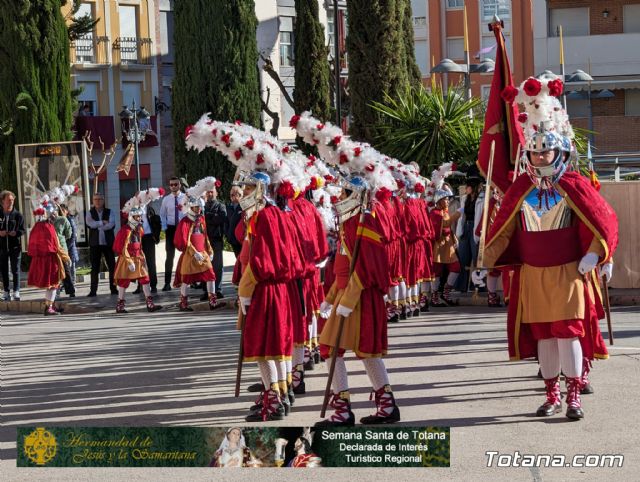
133,50
90,49
616,166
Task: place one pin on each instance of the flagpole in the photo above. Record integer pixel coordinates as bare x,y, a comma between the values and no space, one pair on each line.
564,95
467,61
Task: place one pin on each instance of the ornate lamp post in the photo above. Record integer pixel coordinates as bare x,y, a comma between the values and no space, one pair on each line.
135,131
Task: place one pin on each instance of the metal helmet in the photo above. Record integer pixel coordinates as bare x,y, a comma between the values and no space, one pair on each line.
131,217
256,177
443,193
543,141
356,182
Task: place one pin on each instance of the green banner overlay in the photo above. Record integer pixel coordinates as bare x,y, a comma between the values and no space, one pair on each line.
360,446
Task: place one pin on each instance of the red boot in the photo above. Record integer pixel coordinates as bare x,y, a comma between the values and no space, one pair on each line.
386,409
446,295
586,388
213,302
50,310
151,307
120,307
184,304
553,404
493,300
342,416
436,301
574,404
272,408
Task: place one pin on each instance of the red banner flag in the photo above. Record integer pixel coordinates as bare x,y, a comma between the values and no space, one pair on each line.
501,120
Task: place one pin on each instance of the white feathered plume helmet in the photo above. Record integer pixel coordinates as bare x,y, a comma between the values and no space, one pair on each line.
538,96
437,188
350,157
135,205
49,201
250,150
193,195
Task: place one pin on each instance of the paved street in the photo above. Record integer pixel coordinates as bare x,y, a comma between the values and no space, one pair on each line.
447,368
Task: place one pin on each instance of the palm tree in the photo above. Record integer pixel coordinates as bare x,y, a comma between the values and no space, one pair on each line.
430,127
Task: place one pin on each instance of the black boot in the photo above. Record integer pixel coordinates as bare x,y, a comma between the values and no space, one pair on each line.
384,400
342,415
553,404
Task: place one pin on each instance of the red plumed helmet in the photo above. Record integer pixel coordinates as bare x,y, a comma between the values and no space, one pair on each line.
293,122
286,190
418,187
161,191
38,212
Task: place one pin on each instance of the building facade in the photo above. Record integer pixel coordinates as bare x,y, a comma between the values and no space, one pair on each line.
600,38
439,34
115,66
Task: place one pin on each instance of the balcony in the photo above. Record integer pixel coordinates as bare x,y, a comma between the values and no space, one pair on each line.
100,127
610,55
133,53
90,52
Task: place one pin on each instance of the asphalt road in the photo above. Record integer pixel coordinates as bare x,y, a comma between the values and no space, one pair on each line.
447,368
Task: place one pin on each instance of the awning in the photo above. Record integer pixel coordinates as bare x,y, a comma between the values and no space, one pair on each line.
608,82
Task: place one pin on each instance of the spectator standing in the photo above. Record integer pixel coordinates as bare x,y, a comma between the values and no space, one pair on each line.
170,216
101,222
11,229
234,216
63,231
215,215
72,246
152,227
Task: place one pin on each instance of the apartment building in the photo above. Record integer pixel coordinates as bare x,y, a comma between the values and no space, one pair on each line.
116,65
600,38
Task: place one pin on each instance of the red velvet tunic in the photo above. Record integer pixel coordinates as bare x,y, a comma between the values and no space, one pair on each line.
399,271
191,237
273,262
417,233
595,220
46,269
366,327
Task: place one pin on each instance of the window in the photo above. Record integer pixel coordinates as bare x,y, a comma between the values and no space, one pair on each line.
128,33
632,102
455,4
419,21
574,21
286,41
422,56
166,40
455,48
132,91
83,46
485,90
330,30
88,96
501,8
631,19
286,111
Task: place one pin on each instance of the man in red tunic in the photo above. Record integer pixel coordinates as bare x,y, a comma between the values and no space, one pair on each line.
194,264
359,297
555,229
265,300
132,264
48,258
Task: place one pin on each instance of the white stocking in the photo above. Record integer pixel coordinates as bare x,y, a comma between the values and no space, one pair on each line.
121,291
146,290
492,283
184,287
424,287
549,358
402,292
377,372
268,372
340,382
50,295
298,356
394,293
435,284
313,328
451,279
570,356
281,367
211,286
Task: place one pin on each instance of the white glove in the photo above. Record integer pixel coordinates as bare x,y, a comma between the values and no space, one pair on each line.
343,311
460,210
322,264
325,309
478,276
244,303
198,257
588,263
132,267
211,257
606,270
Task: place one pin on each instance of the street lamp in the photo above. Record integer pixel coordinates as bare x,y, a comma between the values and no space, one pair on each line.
448,66
135,129
580,76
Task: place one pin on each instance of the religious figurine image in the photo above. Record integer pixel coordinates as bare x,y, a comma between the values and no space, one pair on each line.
233,452
304,456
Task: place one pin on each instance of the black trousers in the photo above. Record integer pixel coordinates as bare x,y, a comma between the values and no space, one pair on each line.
171,252
68,282
149,250
96,253
218,246
11,257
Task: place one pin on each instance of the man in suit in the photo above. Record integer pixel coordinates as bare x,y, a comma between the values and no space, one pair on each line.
101,222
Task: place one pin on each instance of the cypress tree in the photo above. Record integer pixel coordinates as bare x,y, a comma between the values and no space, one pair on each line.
311,62
413,71
35,93
215,71
377,48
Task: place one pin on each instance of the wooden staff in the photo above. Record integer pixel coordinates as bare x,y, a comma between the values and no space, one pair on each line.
516,169
341,319
607,308
485,208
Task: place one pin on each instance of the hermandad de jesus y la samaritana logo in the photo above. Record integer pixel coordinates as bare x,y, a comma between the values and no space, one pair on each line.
40,446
